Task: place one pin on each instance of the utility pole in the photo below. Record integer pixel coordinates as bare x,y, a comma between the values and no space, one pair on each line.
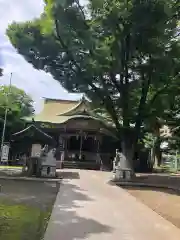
5,117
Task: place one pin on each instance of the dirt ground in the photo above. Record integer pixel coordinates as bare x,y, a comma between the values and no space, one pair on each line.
33,193
166,179
165,202
28,206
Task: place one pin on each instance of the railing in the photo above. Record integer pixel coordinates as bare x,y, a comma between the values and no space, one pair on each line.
171,161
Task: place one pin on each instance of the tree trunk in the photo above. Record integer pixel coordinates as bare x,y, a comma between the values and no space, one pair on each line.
146,81
153,157
145,161
127,149
157,153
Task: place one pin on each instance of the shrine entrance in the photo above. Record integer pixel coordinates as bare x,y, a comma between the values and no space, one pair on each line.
80,146
82,149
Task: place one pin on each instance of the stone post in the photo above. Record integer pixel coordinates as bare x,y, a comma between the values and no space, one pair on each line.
62,143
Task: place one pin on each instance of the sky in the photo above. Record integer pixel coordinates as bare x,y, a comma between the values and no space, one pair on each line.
36,83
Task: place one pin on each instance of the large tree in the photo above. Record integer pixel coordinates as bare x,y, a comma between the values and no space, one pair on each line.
122,54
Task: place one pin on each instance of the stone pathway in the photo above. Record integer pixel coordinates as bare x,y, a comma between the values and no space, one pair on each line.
88,208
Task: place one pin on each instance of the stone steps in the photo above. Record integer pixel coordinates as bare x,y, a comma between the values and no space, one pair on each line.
81,165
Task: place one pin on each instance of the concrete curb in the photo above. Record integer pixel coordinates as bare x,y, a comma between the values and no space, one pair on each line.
138,184
31,179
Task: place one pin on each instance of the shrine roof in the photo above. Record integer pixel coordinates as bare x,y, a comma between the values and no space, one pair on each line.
30,129
62,119
32,134
57,111
60,111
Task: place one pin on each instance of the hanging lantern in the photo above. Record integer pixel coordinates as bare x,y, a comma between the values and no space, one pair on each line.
60,140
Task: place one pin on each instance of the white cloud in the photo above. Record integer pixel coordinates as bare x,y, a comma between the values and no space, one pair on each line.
36,83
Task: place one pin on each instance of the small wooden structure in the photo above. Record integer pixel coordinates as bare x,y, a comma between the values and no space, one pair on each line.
32,140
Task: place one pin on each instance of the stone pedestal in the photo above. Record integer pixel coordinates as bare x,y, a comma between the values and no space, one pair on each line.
62,159
48,164
123,174
48,171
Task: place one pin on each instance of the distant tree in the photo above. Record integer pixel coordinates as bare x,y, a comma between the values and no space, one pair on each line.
1,65
18,103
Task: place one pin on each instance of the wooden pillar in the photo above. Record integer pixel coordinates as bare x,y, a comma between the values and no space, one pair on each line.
98,140
63,147
82,136
81,144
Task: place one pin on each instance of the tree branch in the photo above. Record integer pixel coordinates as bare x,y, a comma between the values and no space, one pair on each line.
144,92
81,10
160,91
109,104
65,47
114,81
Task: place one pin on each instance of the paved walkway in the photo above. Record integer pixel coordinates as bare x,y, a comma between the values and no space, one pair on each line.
88,208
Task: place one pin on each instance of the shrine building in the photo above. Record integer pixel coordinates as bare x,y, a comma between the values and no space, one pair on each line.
83,138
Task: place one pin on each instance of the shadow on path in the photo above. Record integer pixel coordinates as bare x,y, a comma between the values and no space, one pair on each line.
66,223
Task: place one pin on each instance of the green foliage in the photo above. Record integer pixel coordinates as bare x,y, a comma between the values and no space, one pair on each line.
19,104
149,140
20,222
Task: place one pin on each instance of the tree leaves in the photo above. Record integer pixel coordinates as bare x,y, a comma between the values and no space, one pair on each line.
119,53
19,104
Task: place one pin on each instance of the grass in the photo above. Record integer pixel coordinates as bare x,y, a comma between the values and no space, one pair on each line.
165,169
10,167
12,171
25,208
21,222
